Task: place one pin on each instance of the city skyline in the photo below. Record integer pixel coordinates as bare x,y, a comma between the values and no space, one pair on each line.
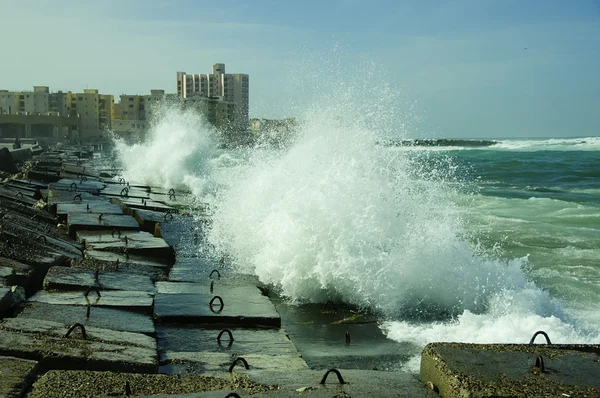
464,68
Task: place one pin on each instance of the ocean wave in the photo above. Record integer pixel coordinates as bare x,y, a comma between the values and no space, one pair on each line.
551,144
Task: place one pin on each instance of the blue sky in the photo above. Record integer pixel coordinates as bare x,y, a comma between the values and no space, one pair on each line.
464,68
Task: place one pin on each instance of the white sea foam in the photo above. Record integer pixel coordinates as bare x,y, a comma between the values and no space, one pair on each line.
551,144
176,153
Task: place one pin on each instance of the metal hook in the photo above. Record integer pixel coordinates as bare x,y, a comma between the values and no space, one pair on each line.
337,373
77,325
238,359
538,333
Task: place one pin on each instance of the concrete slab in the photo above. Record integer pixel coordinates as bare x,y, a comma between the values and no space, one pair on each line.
29,183
54,197
324,346
146,204
123,191
180,229
153,272
133,259
76,185
193,269
134,242
17,375
126,300
268,342
61,384
234,288
256,311
43,176
38,235
148,219
101,349
17,197
202,362
93,222
358,383
508,370
67,278
97,207
108,318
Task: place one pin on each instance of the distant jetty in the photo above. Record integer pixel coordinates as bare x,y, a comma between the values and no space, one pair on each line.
439,142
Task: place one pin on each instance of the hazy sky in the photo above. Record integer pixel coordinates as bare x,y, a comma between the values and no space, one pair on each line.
464,68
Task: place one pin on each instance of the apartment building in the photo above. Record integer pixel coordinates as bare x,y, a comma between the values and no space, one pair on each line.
227,87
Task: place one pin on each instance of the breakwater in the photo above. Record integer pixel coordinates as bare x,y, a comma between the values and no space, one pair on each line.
103,292
439,142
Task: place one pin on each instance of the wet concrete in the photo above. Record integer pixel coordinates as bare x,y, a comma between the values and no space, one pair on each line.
107,318
127,300
133,242
193,269
101,349
54,197
66,278
133,260
16,376
96,207
507,370
148,218
256,311
144,204
123,191
93,222
76,185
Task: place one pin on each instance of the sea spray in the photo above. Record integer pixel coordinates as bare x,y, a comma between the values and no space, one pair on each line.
334,215
175,153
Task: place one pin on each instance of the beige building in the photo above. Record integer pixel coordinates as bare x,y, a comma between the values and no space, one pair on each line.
227,87
95,111
218,112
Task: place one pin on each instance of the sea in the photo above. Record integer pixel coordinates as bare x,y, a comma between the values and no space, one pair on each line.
463,243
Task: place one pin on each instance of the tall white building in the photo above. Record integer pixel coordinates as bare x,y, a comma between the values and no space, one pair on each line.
228,87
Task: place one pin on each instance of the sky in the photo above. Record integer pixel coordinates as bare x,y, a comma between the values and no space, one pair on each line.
460,68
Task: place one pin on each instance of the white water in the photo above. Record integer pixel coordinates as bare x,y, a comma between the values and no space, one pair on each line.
336,217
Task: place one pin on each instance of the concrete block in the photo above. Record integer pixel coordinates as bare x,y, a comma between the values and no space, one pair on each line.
134,260
509,370
126,300
133,242
29,183
123,191
96,207
54,197
193,269
256,311
268,342
102,349
324,346
76,185
67,278
154,273
107,318
61,384
148,218
16,376
93,222
145,204
181,228
201,362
